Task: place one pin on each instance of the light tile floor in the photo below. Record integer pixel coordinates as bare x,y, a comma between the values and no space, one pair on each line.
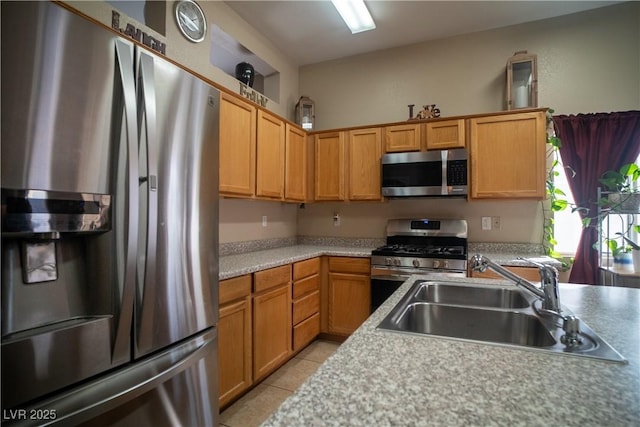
255,407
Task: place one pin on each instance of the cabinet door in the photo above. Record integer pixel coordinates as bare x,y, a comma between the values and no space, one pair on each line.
365,152
295,170
271,330
270,156
508,156
349,302
400,138
445,134
234,349
329,166
237,146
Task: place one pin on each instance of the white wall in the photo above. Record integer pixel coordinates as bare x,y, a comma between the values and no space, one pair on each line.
241,220
588,62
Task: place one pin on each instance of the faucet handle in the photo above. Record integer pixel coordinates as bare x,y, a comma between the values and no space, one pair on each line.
530,261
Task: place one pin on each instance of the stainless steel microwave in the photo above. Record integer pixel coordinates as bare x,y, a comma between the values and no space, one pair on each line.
425,173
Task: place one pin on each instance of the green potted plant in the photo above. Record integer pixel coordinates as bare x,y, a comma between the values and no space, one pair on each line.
635,248
623,187
622,257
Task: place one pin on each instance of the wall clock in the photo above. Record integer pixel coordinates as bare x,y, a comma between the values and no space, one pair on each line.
191,20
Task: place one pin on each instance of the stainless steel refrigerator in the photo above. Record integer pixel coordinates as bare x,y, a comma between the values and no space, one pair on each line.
109,228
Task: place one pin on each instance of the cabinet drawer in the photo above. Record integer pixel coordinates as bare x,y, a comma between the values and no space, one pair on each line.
304,286
350,265
266,279
306,331
232,289
306,306
306,268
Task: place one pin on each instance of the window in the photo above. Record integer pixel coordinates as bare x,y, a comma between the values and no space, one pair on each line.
568,225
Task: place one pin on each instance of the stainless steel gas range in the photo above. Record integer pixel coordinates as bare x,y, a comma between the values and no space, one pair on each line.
417,246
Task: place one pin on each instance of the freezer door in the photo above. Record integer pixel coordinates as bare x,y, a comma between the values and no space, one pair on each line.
174,387
177,292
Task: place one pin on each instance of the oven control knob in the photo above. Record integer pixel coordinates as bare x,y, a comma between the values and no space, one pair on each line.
388,261
397,261
445,264
436,264
416,263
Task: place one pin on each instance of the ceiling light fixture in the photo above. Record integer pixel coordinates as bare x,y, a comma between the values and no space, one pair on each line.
355,15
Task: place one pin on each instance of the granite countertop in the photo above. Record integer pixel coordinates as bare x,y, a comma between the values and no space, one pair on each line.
250,262
384,378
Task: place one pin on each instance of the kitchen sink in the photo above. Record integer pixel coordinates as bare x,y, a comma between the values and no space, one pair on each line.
485,296
489,314
472,323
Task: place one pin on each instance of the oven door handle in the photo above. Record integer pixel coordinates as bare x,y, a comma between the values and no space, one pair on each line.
392,274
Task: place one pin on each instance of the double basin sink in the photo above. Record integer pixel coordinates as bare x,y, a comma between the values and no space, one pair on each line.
492,314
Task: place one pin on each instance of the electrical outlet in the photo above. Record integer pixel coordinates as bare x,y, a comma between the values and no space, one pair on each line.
495,220
336,219
264,220
486,223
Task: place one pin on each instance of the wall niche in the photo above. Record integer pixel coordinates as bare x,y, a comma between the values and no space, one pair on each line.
227,52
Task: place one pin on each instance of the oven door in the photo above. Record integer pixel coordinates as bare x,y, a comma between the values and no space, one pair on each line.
386,280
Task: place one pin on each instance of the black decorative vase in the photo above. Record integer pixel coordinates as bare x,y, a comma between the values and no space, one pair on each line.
245,73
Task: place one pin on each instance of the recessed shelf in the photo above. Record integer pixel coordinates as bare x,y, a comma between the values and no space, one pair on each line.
227,52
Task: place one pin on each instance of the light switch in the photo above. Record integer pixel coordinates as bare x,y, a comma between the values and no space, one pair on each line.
486,223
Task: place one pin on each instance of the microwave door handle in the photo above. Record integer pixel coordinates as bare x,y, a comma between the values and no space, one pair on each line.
443,158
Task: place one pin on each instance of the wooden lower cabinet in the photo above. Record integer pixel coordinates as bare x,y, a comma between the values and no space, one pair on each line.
271,320
530,273
306,302
349,294
234,338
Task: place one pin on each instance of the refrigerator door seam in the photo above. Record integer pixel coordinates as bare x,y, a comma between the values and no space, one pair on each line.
148,128
124,62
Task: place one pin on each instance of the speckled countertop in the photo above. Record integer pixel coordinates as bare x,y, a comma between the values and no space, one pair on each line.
381,378
252,261
239,264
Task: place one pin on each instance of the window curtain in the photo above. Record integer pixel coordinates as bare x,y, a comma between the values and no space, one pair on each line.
591,145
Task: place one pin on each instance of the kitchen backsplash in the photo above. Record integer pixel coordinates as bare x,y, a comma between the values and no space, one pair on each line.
512,248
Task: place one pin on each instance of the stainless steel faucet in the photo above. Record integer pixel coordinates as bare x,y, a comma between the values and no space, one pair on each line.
548,293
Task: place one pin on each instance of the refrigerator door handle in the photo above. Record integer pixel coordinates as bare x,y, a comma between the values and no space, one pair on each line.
128,245
147,116
92,399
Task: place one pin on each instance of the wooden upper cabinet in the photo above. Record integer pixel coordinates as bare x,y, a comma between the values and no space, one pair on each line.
295,179
365,153
445,134
507,154
237,146
329,166
399,138
270,156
